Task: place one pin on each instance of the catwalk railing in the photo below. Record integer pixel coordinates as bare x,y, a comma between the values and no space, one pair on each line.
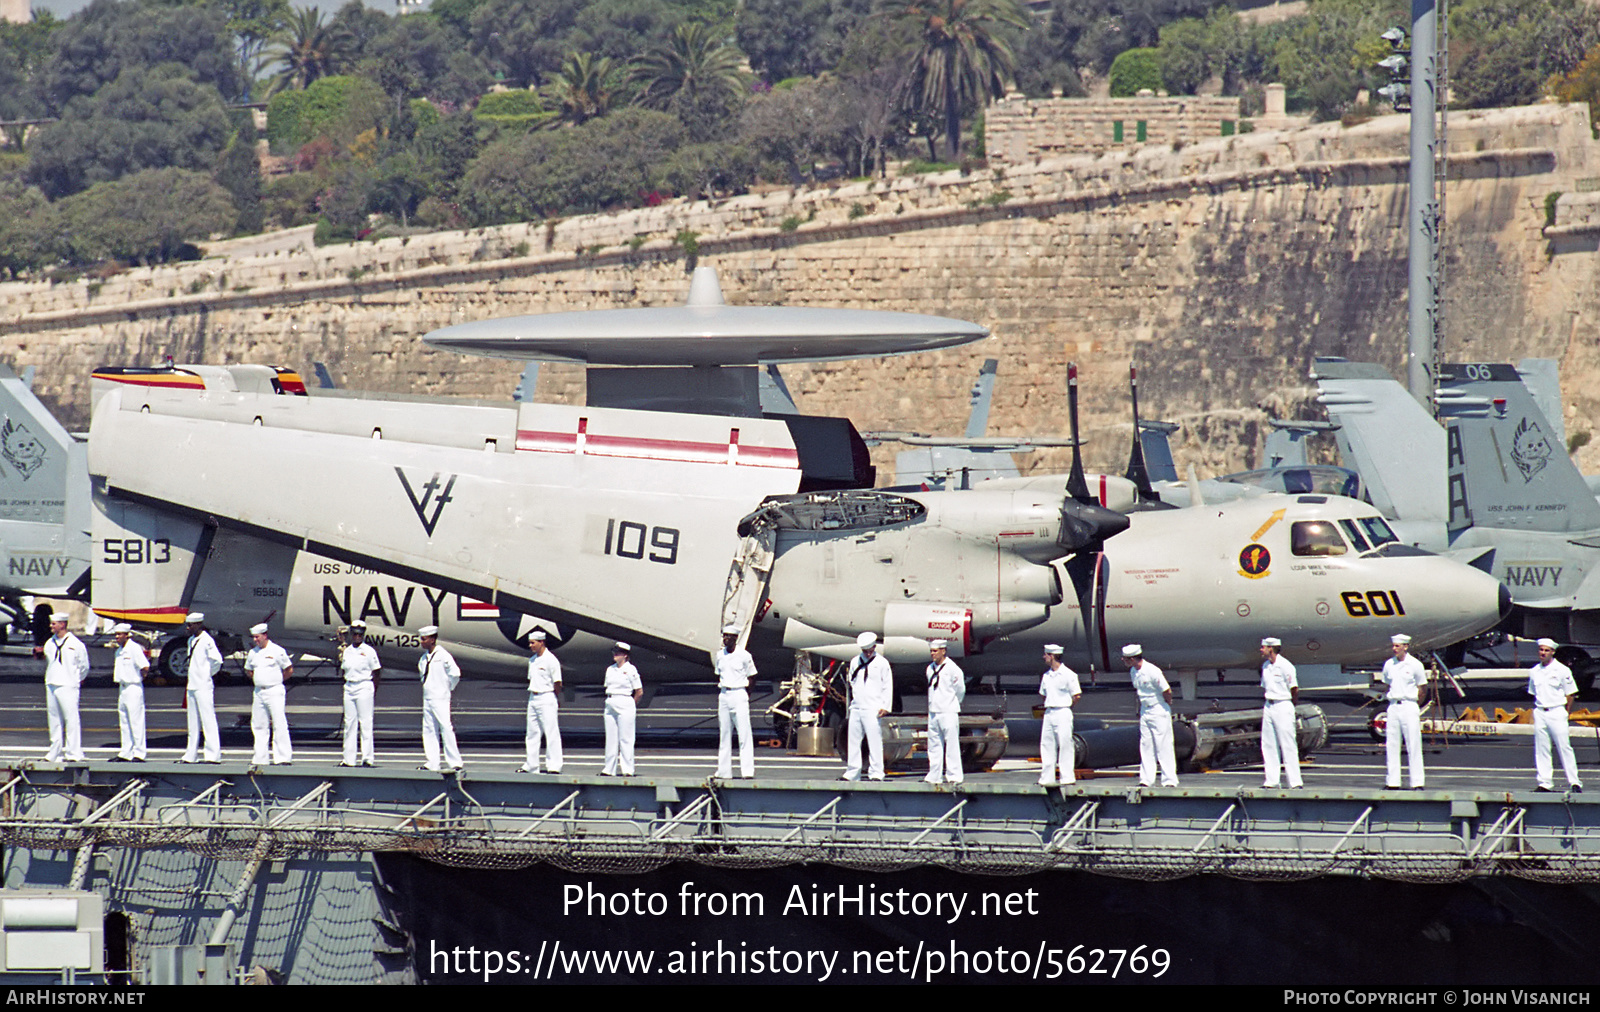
637,824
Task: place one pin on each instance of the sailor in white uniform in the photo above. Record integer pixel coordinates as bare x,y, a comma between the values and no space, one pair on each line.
1279,749
1407,680
544,689
205,660
947,689
871,683
269,667
1058,760
735,668
360,665
66,665
1155,718
128,671
623,689
440,676
1553,689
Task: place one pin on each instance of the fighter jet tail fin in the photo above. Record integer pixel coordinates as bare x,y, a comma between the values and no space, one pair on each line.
1387,437
1506,467
44,487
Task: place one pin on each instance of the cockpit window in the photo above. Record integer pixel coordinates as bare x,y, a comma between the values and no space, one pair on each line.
1354,534
1377,530
1316,537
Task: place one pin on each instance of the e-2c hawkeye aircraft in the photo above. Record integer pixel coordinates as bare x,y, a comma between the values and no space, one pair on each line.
628,523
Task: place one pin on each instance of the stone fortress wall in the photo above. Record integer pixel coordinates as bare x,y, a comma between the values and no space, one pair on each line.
1019,129
1222,267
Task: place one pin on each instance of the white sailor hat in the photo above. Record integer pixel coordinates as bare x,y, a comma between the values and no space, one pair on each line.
1547,642
59,616
730,630
1271,641
259,629
537,636
122,627
1400,640
938,645
1054,648
358,625
195,617
866,640
428,630
620,647
1132,650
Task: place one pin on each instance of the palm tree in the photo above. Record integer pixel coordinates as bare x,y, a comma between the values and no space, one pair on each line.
959,56
585,87
690,66
308,49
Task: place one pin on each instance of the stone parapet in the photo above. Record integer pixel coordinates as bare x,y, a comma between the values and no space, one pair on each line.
1020,129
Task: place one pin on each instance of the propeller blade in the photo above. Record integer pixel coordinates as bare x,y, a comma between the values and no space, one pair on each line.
1077,485
1084,522
1137,472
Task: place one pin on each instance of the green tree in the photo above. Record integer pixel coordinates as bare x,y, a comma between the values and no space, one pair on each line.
585,87
307,49
147,217
149,117
1186,55
694,75
29,229
254,23
455,15
101,41
960,57
524,40
791,129
622,29
603,163
704,170
419,56
1504,52
1582,85
340,108
795,38
239,172
1319,56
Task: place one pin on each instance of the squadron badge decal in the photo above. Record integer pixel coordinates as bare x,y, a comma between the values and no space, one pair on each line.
1255,562
1530,450
21,449
431,496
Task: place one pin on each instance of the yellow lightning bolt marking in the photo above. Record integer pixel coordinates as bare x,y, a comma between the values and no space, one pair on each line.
1264,528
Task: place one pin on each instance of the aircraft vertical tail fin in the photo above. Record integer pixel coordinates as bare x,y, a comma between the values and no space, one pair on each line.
982,395
44,493
1542,377
1506,467
1387,437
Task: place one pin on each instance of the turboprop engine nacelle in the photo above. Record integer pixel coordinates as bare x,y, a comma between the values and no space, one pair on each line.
964,566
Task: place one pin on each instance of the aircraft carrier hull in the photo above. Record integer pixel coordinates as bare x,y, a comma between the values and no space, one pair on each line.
324,876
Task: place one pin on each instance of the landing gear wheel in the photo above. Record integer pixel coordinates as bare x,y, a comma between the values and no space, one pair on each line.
174,659
1378,725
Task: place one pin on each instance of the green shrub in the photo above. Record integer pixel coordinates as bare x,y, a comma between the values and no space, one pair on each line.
1134,70
518,107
